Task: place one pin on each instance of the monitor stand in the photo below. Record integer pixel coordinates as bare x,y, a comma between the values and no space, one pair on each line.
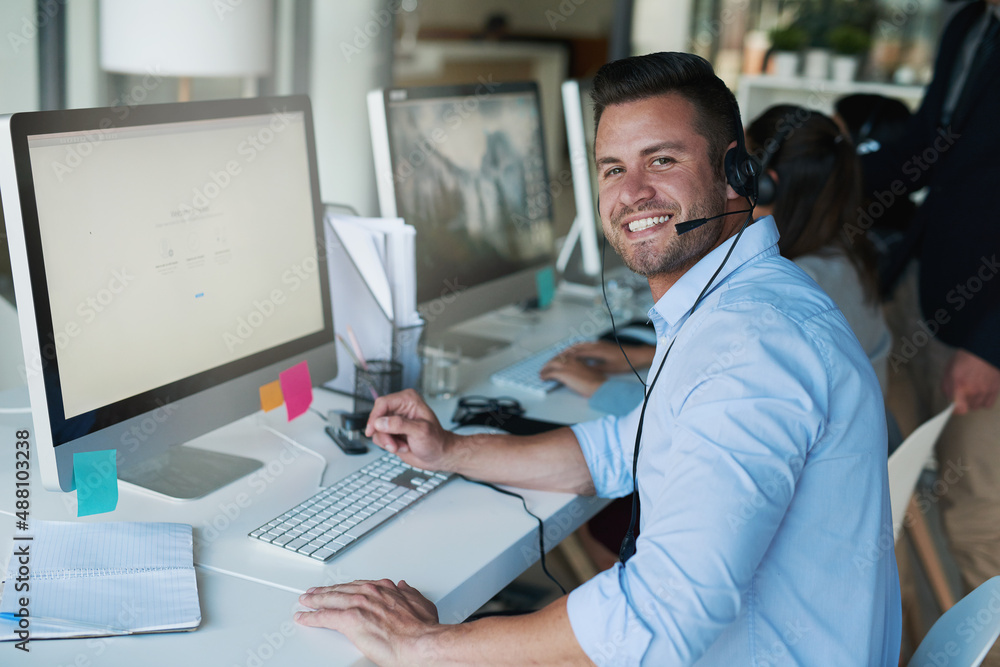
472,346
187,473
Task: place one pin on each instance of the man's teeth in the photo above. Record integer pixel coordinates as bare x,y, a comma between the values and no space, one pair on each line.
646,223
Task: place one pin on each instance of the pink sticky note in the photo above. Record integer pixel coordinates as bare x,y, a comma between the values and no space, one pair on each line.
296,386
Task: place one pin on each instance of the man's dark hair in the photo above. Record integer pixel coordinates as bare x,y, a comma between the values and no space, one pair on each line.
692,77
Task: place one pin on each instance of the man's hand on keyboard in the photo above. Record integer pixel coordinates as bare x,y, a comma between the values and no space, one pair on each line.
605,356
402,423
573,372
384,620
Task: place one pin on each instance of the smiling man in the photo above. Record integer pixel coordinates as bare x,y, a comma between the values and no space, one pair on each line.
760,454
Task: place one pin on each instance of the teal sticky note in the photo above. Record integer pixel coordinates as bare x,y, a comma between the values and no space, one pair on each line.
95,475
545,281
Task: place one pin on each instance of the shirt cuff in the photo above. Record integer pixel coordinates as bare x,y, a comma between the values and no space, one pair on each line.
605,626
598,442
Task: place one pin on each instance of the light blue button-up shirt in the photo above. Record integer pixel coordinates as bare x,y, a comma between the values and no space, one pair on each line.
766,536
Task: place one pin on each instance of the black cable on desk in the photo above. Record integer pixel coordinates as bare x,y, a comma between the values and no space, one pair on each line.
541,526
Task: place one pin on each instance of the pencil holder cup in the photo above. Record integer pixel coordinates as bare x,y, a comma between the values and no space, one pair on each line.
380,378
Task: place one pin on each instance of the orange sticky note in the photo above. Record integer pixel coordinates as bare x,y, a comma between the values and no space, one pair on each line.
271,396
296,386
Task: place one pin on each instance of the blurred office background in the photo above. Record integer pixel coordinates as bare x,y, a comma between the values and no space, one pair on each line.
89,53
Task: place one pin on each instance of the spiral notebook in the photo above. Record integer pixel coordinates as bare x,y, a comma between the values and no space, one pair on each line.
101,579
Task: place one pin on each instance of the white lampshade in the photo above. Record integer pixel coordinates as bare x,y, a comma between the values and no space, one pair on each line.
187,38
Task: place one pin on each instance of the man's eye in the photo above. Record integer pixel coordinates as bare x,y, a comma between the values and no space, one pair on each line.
614,171
662,161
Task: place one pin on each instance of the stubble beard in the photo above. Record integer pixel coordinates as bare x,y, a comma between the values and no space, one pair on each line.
653,257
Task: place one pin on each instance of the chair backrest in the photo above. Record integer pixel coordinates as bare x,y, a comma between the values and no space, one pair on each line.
965,633
906,463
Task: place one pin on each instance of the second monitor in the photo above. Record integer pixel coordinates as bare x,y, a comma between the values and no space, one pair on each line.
465,165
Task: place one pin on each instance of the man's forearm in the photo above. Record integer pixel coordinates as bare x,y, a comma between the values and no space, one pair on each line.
549,461
542,638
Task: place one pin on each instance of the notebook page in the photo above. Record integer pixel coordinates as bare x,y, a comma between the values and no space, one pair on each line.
109,578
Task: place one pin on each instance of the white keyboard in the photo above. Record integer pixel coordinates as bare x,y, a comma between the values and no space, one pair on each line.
523,375
342,513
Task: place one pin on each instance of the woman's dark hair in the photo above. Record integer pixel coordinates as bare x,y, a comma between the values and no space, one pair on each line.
641,77
868,116
818,186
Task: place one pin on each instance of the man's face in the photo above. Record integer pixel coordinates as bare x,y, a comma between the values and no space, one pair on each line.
653,172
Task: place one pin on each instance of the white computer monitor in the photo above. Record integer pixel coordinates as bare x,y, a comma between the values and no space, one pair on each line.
168,261
579,258
465,165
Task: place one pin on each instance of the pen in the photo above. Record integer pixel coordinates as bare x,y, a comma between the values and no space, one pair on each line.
350,352
357,347
359,363
83,625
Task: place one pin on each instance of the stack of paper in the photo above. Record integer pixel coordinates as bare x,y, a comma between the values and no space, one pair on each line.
372,263
98,579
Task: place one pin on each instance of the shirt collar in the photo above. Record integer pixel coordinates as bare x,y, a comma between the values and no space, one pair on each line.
759,239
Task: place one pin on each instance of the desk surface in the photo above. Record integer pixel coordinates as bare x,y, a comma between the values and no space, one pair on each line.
459,546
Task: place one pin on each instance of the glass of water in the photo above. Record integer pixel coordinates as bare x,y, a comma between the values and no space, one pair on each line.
440,371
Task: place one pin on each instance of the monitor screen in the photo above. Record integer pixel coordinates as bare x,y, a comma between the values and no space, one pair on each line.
465,165
164,251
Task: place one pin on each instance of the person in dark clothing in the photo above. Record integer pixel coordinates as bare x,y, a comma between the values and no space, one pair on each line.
950,341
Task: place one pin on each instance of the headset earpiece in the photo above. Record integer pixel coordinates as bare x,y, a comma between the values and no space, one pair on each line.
767,189
742,170
767,186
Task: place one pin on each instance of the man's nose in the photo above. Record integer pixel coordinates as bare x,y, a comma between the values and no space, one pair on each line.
636,189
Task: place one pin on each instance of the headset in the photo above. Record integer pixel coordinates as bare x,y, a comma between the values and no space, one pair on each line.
767,187
865,143
742,174
742,169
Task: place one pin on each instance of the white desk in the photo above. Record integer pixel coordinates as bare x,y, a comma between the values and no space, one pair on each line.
459,546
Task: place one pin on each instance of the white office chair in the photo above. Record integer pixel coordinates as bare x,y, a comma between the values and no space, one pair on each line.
906,463
11,358
965,633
